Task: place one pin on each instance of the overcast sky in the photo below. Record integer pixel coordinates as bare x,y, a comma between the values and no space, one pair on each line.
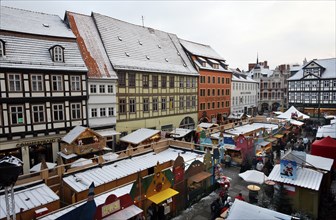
279,31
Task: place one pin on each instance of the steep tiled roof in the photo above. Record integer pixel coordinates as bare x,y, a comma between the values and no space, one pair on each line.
328,64
306,178
200,50
133,47
23,21
91,46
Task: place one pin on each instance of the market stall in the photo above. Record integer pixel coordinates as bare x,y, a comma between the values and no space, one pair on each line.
142,136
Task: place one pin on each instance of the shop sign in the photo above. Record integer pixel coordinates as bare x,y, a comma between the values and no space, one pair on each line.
39,142
288,169
110,208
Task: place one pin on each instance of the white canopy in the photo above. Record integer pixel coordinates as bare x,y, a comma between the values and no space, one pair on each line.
326,130
139,135
81,162
253,176
288,114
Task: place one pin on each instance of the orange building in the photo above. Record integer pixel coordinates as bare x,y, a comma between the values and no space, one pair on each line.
214,85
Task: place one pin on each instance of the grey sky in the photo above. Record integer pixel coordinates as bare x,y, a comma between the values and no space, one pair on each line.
280,31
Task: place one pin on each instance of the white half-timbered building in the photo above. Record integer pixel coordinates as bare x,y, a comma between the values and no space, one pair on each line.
313,88
42,83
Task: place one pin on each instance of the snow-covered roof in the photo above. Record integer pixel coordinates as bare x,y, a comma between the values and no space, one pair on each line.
180,132
207,125
326,130
288,114
240,78
210,67
216,135
24,21
99,200
265,72
306,178
319,162
328,64
137,48
91,46
244,210
81,181
251,127
29,198
107,132
236,115
73,134
33,53
139,135
200,50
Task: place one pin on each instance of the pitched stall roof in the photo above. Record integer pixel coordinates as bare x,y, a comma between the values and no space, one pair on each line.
326,130
33,52
133,47
306,178
251,127
91,46
319,162
139,135
81,181
73,134
288,114
329,66
29,198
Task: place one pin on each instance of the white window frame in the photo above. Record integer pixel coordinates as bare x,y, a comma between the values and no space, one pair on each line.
102,89
75,83
76,112
14,82
58,54
163,104
57,82
132,105
102,112
146,104
59,110
110,89
39,111
93,89
110,111
94,113
2,48
36,82
15,112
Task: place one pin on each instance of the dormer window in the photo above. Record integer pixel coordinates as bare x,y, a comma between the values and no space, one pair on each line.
2,48
215,66
57,53
202,61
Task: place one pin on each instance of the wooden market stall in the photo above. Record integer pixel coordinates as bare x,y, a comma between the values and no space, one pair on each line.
141,136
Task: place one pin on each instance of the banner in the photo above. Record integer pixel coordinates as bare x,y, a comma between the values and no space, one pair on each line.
288,169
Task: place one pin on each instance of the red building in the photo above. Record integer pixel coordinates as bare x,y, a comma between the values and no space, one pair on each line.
214,85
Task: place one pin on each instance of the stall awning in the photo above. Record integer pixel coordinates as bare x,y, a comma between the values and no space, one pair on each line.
107,133
126,213
200,177
163,195
278,136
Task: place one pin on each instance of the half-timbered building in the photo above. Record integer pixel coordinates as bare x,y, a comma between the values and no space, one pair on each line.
313,88
42,83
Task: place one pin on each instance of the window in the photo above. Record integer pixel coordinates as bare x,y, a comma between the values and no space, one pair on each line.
171,82
57,53
131,80
202,79
171,102
76,111
227,91
102,89
122,79
122,106
209,92
145,81
93,89
58,112
132,105
202,92
145,104
209,105
2,48
188,102
75,83
163,104
38,113
155,104
334,96
110,89
227,103
14,81
218,92
57,83
16,115
326,83
222,91
223,80
164,81
213,80
218,80
218,104
326,96
193,101
102,112
181,81
213,92
37,83
155,79
213,105
110,111
93,113
181,102
227,80
193,82
188,82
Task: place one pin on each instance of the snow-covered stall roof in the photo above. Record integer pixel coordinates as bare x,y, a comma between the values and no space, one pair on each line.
180,132
244,210
133,47
319,162
139,135
328,64
326,130
24,21
29,198
306,178
73,134
200,50
207,125
217,134
251,127
100,199
92,48
288,114
81,181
